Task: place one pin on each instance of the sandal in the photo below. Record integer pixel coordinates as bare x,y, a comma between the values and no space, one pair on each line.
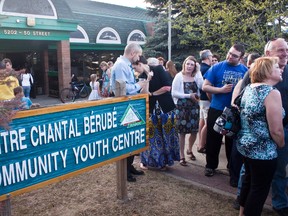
193,158
183,162
188,153
202,150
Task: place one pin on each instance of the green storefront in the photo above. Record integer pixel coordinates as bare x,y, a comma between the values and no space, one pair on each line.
56,38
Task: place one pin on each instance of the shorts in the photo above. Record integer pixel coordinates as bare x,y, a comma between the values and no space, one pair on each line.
204,107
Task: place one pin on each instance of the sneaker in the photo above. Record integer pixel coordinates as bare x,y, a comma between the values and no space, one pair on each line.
236,204
209,172
282,211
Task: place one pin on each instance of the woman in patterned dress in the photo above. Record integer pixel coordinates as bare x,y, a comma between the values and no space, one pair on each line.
261,134
185,92
163,138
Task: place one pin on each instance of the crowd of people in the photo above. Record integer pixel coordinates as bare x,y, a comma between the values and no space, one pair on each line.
191,100
188,102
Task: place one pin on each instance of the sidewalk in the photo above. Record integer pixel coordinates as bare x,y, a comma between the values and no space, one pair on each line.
193,173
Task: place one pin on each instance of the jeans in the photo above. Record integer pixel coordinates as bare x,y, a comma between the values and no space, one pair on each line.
241,178
279,182
26,90
236,161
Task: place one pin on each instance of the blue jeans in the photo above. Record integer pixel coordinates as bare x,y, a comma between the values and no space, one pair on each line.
241,177
279,182
26,90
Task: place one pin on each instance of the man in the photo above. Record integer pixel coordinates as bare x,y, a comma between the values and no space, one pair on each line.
7,83
279,48
123,70
220,81
204,103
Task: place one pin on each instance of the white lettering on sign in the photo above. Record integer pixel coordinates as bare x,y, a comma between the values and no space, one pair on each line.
12,141
132,138
32,167
26,32
100,122
43,134
90,151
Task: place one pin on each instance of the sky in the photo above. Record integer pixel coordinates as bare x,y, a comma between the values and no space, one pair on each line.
129,3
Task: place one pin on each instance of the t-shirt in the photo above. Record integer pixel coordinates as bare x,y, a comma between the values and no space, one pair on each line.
27,103
6,87
204,68
221,74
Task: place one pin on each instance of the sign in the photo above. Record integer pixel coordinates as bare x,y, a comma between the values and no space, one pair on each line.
49,144
28,34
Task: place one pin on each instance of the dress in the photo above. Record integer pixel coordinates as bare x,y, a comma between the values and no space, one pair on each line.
94,93
106,84
163,137
188,111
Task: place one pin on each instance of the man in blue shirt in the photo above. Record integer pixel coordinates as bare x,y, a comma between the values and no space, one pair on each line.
123,70
220,81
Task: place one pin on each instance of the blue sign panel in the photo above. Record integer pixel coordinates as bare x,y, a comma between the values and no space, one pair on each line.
42,147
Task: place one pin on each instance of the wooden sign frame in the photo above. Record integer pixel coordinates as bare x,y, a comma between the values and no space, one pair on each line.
131,113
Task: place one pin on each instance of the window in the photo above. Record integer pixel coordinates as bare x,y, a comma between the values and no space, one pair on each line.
29,8
136,36
80,36
108,35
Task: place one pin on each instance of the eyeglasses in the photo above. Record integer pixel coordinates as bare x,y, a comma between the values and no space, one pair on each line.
233,55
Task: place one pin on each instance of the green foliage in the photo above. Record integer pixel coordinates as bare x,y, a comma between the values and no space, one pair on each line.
218,24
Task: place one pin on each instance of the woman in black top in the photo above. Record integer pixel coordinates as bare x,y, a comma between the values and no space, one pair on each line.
163,137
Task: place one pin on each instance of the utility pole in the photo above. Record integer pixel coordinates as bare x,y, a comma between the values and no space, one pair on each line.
169,29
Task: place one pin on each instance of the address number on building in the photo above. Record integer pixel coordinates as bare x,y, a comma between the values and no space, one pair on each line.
26,32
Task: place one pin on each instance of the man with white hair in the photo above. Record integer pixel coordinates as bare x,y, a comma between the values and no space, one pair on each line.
123,70
279,48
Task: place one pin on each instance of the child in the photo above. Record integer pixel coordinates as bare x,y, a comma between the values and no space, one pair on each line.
26,102
95,93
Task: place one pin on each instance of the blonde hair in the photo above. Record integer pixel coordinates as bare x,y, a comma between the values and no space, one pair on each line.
262,68
103,63
192,58
93,77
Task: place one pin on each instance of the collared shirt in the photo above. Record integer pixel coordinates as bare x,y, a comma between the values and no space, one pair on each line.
123,70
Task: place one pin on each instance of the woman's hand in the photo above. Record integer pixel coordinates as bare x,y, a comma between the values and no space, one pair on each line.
194,96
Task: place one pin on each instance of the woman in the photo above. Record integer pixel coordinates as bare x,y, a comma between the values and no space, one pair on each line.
105,78
163,138
27,82
171,69
185,91
261,134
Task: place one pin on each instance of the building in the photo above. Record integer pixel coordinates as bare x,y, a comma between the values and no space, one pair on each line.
58,38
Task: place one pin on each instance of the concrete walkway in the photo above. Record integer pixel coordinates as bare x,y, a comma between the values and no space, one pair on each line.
193,173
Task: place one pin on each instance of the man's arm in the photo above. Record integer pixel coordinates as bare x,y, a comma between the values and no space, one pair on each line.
209,88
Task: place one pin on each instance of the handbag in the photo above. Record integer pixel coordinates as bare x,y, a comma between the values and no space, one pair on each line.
30,80
229,122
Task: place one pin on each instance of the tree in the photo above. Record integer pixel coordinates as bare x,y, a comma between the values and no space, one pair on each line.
218,24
